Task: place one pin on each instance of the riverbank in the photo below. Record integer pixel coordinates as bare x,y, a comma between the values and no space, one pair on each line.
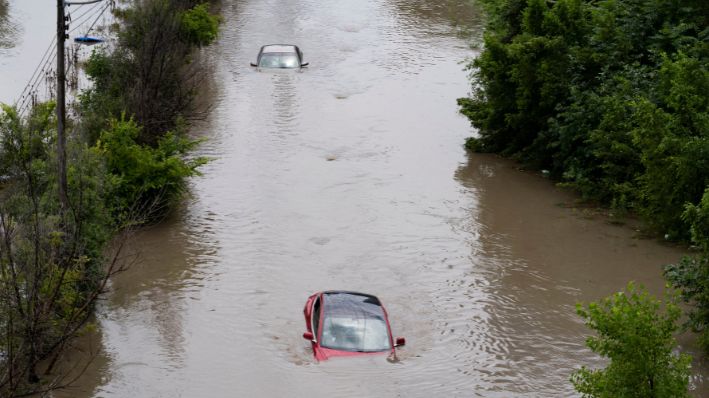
605,99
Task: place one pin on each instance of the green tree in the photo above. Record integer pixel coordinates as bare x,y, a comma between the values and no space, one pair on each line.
608,95
53,264
691,274
146,180
635,331
521,80
150,74
199,25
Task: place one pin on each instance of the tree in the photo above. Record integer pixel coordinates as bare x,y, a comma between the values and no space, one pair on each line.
54,263
608,95
636,334
691,274
151,74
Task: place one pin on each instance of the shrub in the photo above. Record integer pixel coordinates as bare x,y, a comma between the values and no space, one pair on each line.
637,336
52,268
146,180
149,74
691,274
199,26
610,96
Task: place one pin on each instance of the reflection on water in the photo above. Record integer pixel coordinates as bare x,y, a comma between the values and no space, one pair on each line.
465,18
537,258
10,29
27,27
27,48
170,280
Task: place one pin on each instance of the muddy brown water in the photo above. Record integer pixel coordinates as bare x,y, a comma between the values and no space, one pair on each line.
351,175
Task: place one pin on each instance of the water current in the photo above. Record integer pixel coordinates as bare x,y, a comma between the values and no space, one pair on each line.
351,175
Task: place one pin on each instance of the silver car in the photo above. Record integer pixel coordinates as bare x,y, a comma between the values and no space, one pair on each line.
280,56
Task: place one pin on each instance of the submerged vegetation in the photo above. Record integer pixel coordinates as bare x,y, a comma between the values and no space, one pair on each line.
127,165
612,98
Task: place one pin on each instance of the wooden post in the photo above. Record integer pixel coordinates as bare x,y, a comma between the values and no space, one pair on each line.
61,105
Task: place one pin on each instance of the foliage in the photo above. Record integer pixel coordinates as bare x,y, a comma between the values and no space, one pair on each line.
51,262
149,74
636,334
473,144
610,96
143,176
199,26
691,274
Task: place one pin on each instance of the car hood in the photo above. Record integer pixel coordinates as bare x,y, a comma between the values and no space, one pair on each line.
322,353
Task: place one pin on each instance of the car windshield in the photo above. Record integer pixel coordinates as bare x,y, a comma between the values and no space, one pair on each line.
354,323
278,60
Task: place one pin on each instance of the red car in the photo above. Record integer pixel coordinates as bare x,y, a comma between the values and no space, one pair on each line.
342,323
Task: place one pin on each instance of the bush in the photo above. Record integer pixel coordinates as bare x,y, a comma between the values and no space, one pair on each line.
52,269
199,26
691,274
149,75
146,180
610,96
637,337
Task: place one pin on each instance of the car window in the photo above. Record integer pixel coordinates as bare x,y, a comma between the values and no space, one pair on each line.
353,322
316,317
355,334
278,60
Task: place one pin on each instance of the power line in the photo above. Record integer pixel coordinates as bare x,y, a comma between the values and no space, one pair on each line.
30,96
97,18
32,87
41,63
82,2
79,6
78,21
44,69
98,15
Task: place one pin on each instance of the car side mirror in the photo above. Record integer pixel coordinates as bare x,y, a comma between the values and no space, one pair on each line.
304,65
253,64
400,341
308,336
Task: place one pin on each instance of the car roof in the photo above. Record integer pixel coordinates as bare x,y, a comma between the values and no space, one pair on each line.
279,48
352,304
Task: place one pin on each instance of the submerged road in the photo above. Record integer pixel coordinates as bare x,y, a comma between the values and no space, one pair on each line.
351,175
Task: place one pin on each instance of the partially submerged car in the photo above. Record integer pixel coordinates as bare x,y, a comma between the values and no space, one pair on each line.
342,323
280,56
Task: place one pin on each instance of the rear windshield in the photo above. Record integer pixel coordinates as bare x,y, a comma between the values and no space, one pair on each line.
278,60
354,323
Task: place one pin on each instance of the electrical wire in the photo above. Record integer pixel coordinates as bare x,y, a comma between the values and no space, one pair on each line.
97,18
36,76
79,6
29,97
32,87
41,63
45,66
78,22
82,3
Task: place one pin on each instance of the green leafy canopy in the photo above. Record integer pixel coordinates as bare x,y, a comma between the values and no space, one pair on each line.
635,332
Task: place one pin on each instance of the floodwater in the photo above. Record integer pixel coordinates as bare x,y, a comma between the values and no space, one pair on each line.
27,27
28,47
351,175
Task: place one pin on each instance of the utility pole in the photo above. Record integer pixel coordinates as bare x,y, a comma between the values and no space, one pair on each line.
61,105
